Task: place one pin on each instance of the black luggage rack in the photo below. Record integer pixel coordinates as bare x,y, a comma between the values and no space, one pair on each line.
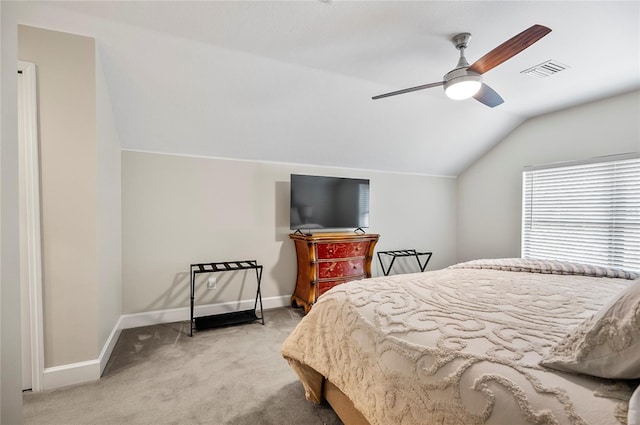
404,253
234,317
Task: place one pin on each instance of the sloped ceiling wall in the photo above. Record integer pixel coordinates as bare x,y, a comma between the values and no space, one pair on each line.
292,81
224,103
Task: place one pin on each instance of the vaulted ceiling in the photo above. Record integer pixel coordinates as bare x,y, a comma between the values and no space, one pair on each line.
292,81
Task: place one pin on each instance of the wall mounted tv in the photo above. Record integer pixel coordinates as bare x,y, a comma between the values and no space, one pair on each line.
323,202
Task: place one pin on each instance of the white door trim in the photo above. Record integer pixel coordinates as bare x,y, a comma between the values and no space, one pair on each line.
33,237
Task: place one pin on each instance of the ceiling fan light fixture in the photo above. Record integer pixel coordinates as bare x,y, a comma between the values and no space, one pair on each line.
463,87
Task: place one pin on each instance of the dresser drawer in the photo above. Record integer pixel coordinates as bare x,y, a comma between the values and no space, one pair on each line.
347,268
342,250
326,285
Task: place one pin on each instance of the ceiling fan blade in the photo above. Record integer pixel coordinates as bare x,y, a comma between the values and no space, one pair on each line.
488,96
422,87
509,49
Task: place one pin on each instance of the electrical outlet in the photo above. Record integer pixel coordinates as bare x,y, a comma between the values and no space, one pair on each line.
211,284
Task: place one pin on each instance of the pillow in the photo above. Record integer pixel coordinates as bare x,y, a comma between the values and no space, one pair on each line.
605,345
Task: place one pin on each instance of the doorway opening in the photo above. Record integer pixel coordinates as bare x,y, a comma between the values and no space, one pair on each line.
30,230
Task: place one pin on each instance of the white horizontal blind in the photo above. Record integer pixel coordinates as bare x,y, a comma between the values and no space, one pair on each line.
586,213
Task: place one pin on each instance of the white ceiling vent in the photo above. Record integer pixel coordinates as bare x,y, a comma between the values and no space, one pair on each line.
545,69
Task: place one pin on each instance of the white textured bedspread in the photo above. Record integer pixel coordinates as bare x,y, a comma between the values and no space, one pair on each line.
457,346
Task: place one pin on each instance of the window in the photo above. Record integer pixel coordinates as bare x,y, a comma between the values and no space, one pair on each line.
586,212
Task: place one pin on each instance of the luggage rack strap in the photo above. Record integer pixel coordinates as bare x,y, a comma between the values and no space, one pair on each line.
225,266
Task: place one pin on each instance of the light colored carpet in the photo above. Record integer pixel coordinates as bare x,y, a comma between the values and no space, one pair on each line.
159,375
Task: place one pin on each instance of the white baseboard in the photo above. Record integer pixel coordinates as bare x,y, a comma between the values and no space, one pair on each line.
91,370
109,345
179,314
70,374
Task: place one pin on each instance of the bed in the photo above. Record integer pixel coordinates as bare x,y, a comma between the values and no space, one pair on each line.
482,342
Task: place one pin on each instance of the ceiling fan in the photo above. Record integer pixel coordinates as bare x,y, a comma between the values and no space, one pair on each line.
465,81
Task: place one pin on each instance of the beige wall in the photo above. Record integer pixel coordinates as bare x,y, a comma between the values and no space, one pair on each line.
179,210
489,191
109,213
10,360
67,119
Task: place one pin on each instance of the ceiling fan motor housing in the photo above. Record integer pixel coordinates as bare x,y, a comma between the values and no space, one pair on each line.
461,83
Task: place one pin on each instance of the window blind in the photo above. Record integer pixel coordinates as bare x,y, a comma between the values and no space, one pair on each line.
585,212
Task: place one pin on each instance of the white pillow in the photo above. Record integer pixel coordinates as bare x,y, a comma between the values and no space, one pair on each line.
607,344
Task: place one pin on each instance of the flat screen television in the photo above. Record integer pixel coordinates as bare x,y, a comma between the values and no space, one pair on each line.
323,202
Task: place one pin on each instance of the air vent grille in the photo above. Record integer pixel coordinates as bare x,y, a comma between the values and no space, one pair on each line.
545,69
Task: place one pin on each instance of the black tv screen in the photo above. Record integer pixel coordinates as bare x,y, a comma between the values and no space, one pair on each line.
322,202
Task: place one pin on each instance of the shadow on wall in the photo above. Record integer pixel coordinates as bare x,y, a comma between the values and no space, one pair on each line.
281,226
283,273
179,289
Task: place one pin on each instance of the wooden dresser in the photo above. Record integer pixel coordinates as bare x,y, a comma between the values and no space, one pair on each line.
329,259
